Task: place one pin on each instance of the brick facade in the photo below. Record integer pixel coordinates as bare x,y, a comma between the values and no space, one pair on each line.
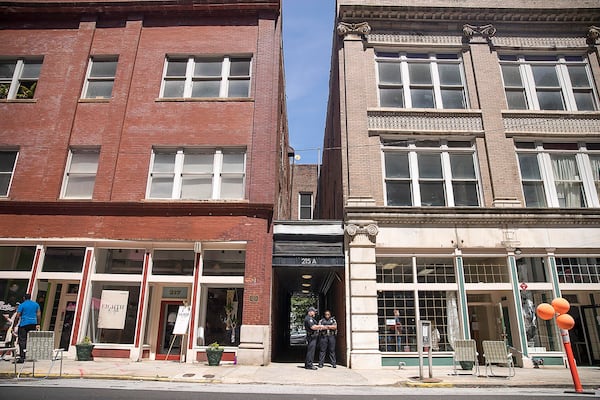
135,120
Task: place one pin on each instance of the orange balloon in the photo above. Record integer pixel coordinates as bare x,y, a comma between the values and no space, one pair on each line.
565,321
545,311
561,305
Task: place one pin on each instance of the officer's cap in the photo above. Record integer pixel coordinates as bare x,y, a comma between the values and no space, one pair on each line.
312,309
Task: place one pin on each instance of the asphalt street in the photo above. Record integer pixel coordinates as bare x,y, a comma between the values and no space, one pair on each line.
132,390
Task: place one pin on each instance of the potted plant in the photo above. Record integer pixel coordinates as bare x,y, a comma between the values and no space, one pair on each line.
84,349
214,352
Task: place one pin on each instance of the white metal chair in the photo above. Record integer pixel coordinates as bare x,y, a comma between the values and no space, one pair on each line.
40,347
465,351
496,352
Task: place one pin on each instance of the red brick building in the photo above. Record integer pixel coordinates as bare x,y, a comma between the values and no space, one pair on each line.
143,158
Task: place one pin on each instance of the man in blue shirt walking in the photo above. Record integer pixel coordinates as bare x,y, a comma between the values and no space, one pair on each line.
28,319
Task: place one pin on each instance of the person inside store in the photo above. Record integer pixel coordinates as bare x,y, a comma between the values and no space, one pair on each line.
327,339
312,335
28,319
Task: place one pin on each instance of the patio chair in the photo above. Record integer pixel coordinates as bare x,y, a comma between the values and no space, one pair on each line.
465,351
40,347
13,350
496,352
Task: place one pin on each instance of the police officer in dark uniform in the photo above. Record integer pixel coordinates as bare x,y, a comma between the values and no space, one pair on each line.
327,342
312,335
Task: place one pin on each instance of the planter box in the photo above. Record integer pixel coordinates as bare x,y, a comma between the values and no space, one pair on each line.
84,352
214,356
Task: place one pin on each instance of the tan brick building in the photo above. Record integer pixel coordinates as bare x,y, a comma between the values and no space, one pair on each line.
462,150
143,159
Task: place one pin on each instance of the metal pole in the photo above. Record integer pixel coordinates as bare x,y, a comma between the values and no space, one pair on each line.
420,348
571,360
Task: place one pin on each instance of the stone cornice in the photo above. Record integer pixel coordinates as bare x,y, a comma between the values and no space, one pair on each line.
476,217
146,209
353,13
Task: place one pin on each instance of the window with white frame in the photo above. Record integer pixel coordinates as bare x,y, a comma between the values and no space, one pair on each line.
430,173
565,175
18,78
80,174
8,160
100,78
413,80
578,269
206,77
548,82
305,208
197,174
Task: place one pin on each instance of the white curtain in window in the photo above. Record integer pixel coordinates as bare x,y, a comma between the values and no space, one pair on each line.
568,183
595,162
452,315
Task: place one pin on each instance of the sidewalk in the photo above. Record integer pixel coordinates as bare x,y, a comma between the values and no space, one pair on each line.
294,374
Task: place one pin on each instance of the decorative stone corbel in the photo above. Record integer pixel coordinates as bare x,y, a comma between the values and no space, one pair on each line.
344,28
362,233
592,35
485,31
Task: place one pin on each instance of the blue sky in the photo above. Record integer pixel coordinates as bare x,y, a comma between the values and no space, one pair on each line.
307,38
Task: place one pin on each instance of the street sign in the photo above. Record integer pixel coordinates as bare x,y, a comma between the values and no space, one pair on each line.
523,286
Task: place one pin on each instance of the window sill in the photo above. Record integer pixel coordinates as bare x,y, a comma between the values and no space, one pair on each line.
242,201
18,100
98,100
204,99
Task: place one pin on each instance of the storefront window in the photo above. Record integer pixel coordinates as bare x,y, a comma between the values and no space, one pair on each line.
531,269
541,335
223,316
397,319
578,269
11,293
119,261
224,262
16,258
63,259
173,262
435,270
485,270
113,312
394,270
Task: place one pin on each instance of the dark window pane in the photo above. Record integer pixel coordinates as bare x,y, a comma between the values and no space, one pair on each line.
550,100
396,165
238,88
432,193
534,194
430,166
462,166
31,70
63,259
545,75
240,67
422,98
465,194
450,74
579,77
206,89
174,88
391,97
453,98
208,68
399,193
102,69
419,74
511,75
99,89
585,101
176,67
516,99
529,166
389,73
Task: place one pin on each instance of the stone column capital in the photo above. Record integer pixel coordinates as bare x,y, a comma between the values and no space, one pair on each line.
362,232
592,35
485,31
344,28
